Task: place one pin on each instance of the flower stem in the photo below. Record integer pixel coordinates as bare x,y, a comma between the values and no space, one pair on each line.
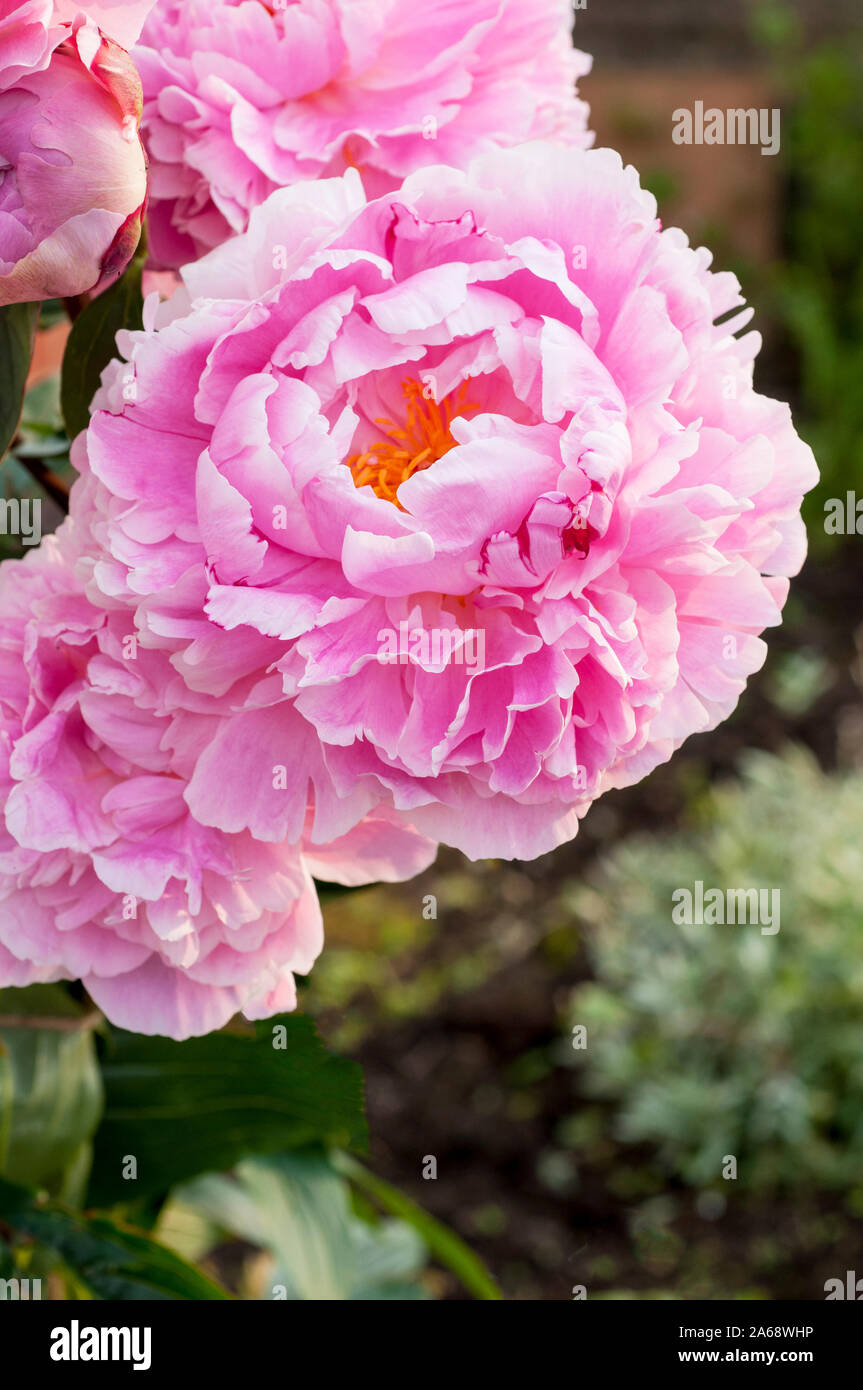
56,488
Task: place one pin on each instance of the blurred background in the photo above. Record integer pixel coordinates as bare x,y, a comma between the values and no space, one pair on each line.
602,1166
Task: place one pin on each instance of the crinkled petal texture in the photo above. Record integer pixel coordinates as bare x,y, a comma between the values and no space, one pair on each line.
387,87
105,874
72,170
30,30
121,20
459,502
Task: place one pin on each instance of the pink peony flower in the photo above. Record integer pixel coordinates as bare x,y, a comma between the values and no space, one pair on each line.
104,873
387,87
72,169
460,502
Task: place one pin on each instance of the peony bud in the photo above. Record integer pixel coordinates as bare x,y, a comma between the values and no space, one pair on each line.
73,178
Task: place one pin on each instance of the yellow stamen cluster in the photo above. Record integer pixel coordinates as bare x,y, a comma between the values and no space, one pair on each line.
425,437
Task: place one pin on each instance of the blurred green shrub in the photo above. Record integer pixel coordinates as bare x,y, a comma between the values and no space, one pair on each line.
818,285
717,1040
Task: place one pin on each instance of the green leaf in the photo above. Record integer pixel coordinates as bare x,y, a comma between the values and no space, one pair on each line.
42,417
111,1259
52,312
50,1085
445,1246
92,342
17,334
298,1208
183,1108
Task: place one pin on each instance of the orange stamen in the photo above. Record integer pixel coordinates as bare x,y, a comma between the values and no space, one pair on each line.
425,438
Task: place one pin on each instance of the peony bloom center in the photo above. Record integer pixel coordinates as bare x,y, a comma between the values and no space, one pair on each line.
423,439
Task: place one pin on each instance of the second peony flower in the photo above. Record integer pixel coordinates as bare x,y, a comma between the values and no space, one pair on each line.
385,88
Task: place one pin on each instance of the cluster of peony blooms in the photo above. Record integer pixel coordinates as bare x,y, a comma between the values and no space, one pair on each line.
496,407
